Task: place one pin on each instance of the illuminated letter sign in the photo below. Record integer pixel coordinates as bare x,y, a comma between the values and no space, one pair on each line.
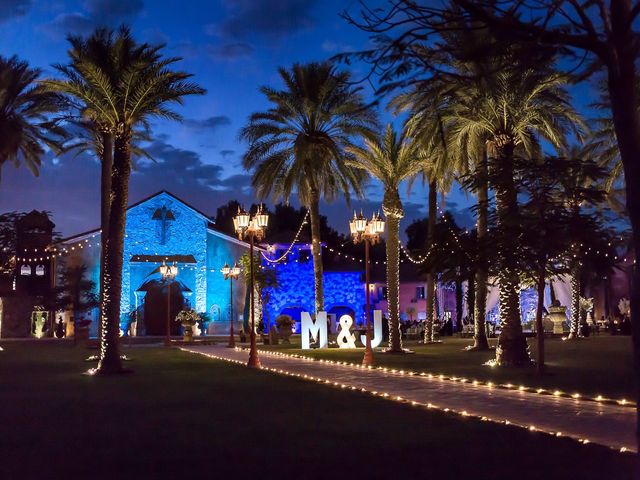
376,340
346,339
317,330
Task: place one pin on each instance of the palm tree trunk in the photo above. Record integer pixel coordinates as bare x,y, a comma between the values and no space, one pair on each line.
574,329
622,84
316,249
471,293
393,283
392,208
110,316
105,207
480,341
552,293
429,333
512,346
539,324
459,301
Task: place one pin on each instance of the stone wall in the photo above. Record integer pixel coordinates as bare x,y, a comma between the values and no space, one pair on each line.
186,234
296,287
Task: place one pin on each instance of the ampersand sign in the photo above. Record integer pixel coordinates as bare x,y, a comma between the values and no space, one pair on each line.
346,339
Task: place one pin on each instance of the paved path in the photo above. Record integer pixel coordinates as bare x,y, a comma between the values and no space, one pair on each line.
609,425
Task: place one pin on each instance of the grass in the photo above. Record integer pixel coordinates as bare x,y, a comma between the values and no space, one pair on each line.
182,415
601,365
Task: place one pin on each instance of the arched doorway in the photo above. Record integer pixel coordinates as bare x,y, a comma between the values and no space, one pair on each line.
155,306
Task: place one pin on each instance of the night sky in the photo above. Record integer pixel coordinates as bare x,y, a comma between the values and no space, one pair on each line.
232,47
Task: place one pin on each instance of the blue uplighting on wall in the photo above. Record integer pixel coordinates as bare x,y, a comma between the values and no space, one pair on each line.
295,290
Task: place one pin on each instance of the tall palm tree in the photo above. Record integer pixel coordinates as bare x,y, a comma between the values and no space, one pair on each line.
121,96
96,61
508,111
26,124
580,185
425,102
390,159
299,144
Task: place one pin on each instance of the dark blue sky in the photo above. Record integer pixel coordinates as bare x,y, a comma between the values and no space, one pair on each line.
232,47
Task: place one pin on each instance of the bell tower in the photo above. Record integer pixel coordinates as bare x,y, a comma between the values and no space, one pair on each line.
34,232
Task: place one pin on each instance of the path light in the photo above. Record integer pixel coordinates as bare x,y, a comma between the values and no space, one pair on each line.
231,274
169,273
369,233
254,229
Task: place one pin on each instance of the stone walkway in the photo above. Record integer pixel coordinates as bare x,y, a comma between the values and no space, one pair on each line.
586,421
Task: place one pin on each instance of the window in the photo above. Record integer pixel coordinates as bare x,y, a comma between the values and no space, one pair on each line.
40,270
25,270
420,295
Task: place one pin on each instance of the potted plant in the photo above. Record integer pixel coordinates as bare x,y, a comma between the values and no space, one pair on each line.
285,327
188,318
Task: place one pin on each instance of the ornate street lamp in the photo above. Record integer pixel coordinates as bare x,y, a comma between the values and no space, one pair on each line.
254,229
231,274
168,272
368,232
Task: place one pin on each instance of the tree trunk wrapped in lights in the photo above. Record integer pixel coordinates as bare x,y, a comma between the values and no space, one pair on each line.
110,315
316,249
480,341
392,209
512,346
574,329
429,333
106,158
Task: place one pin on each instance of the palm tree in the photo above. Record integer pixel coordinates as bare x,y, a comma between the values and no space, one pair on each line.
120,95
26,125
425,103
299,144
508,111
391,160
96,62
579,186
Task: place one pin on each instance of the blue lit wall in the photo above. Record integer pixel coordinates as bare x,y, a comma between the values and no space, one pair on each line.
296,287
186,234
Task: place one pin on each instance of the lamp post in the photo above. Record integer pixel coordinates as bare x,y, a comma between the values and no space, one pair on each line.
169,272
253,228
368,232
231,274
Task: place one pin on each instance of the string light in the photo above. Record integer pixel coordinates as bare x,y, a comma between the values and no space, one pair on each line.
295,240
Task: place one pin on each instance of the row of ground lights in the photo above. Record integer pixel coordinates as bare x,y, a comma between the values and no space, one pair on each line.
387,396
507,386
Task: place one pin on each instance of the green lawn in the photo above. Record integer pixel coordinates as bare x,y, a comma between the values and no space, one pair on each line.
601,365
185,416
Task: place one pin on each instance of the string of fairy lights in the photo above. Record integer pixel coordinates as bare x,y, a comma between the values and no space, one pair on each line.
51,252
461,380
283,257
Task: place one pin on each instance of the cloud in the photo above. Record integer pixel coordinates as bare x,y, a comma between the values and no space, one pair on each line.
182,172
186,49
111,12
330,46
272,19
13,8
230,50
207,125
69,23
95,13
227,153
